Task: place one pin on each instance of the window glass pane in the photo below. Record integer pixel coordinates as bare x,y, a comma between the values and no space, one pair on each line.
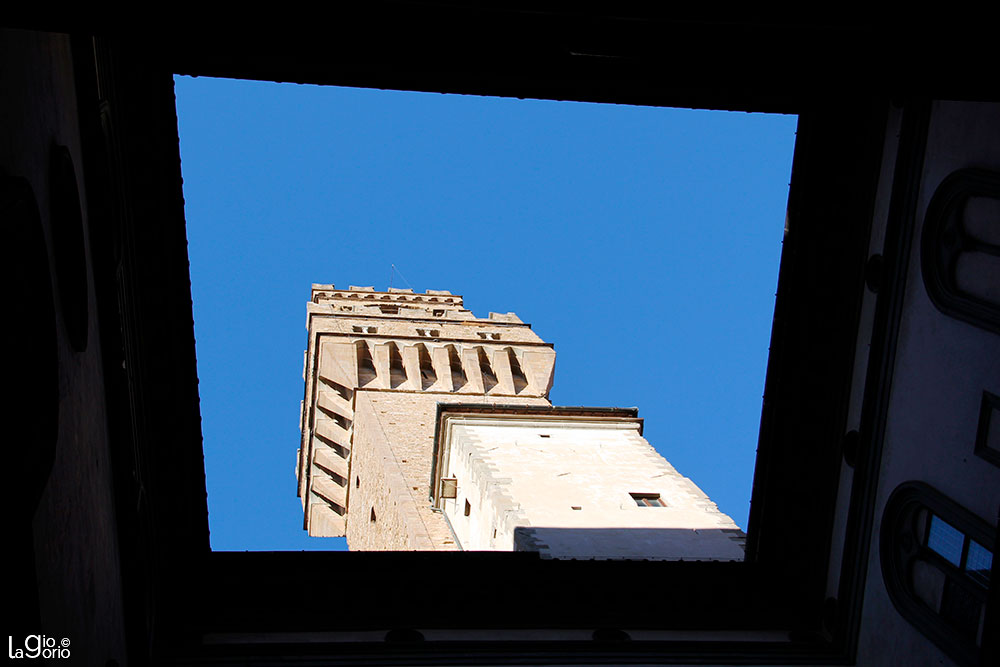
946,540
979,563
961,609
928,583
647,499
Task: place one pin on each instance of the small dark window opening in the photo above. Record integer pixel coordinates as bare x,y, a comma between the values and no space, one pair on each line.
468,507
648,500
357,482
371,517
936,569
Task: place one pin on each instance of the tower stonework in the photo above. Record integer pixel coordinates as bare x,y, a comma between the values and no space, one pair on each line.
427,428
376,367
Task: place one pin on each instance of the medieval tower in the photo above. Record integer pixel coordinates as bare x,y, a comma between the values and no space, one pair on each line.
427,428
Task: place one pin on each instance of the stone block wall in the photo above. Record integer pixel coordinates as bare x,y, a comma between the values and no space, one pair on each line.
391,470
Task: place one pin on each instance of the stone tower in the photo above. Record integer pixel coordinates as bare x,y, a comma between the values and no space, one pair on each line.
426,428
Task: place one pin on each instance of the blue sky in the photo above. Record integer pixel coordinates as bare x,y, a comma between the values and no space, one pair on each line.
643,242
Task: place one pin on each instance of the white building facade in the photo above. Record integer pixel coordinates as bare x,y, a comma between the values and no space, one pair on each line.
425,428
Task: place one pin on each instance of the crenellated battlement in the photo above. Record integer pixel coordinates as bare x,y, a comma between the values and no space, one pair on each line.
399,303
326,293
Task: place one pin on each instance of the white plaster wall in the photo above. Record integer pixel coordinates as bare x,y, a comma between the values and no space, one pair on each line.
524,477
